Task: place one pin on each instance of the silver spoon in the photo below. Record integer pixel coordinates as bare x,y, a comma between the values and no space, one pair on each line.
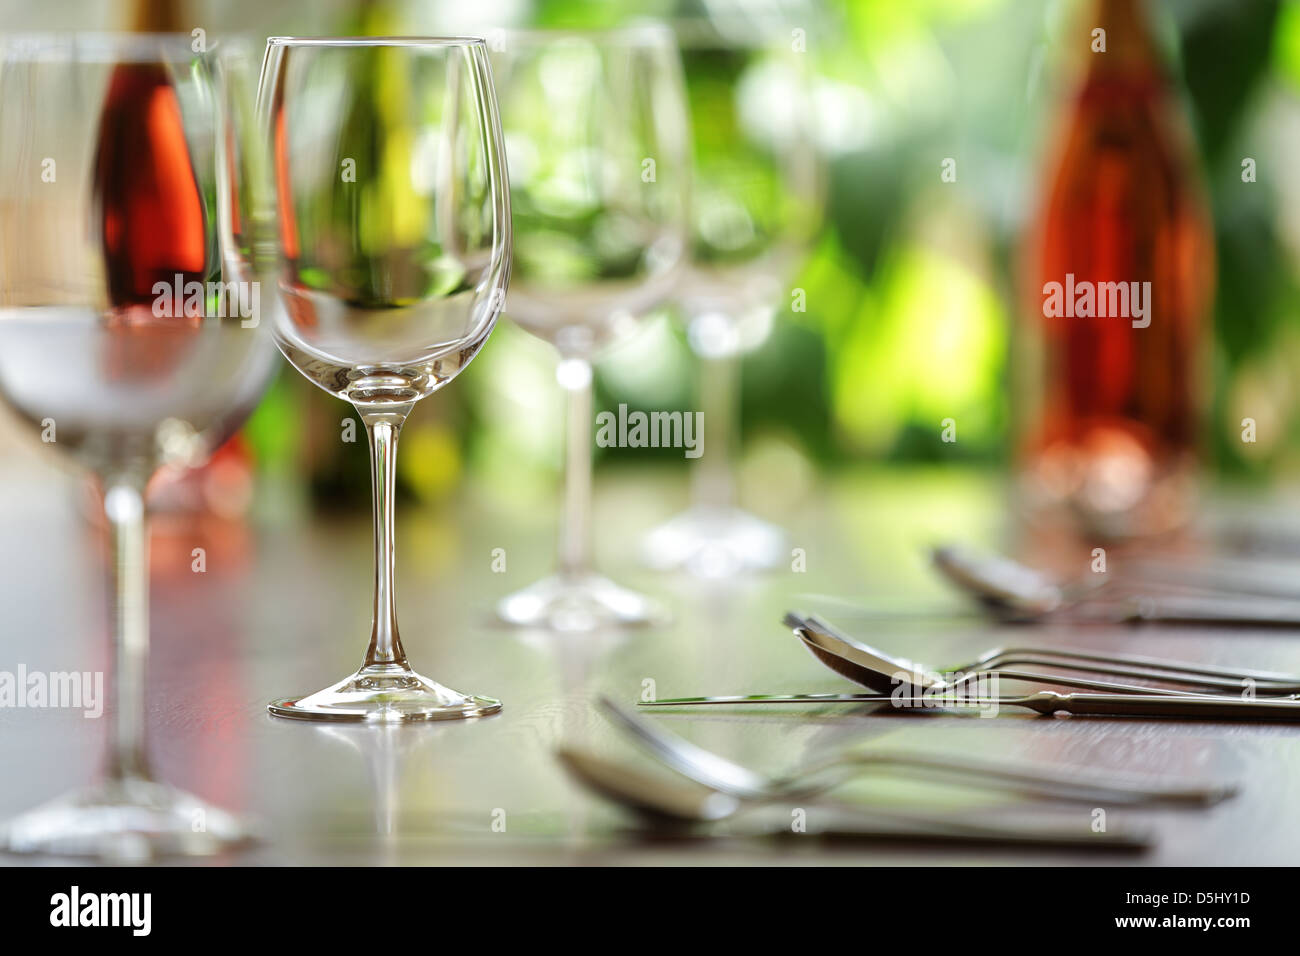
866,661
747,788
1055,784
687,802
1019,593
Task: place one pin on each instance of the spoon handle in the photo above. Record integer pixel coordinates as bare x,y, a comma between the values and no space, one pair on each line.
963,828
1061,783
1196,609
943,837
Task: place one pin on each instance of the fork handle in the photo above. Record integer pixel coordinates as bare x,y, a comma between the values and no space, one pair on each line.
1194,609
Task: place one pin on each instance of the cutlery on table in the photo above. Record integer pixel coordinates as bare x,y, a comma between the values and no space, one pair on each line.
879,670
1057,783
686,801
1190,707
1019,593
885,673
1263,578
908,686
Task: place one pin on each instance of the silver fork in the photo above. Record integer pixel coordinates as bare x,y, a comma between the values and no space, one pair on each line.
722,774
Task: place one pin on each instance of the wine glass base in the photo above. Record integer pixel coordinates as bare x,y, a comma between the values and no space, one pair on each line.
125,821
712,542
386,693
584,602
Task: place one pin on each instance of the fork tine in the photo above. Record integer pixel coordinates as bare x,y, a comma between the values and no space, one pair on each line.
1149,663
1181,678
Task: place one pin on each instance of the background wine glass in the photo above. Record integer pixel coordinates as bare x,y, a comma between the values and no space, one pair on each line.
755,208
393,237
125,185
596,137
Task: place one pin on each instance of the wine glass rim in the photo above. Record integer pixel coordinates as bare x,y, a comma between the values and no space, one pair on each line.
117,45
413,41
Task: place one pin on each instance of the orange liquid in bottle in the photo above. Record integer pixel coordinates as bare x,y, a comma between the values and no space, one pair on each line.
1113,410
151,222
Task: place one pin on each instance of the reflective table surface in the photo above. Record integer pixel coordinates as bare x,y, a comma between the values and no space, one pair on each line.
282,606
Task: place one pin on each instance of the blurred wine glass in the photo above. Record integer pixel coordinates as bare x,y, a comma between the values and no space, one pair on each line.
128,342
393,242
755,208
596,138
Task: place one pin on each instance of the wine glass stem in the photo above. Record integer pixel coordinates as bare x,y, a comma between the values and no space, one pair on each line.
385,643
124,506
714,484
574,375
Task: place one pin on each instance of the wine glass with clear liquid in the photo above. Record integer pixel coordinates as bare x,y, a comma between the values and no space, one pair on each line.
756,199
596,137
128,342
393,241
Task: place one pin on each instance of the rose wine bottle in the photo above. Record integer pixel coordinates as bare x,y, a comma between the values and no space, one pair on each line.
150,216
153,235
1119,267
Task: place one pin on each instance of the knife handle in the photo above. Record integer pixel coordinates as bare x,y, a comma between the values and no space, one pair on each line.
1129,705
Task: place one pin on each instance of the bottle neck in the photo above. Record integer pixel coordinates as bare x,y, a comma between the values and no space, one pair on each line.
1129,43
157,16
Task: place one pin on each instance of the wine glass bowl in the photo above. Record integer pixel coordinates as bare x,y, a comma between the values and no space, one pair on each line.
755,209
121,327
755,183
393,243
597,210
127,341
597,143
394,249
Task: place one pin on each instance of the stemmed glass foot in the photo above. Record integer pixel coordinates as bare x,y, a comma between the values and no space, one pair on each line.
387,693
716,542
579,602
130,819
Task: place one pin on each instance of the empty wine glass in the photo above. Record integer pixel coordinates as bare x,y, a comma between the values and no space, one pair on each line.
128,342
596,136
394,251
755,208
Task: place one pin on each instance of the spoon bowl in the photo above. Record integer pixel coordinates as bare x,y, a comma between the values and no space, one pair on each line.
650,795
711,773
1003,585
